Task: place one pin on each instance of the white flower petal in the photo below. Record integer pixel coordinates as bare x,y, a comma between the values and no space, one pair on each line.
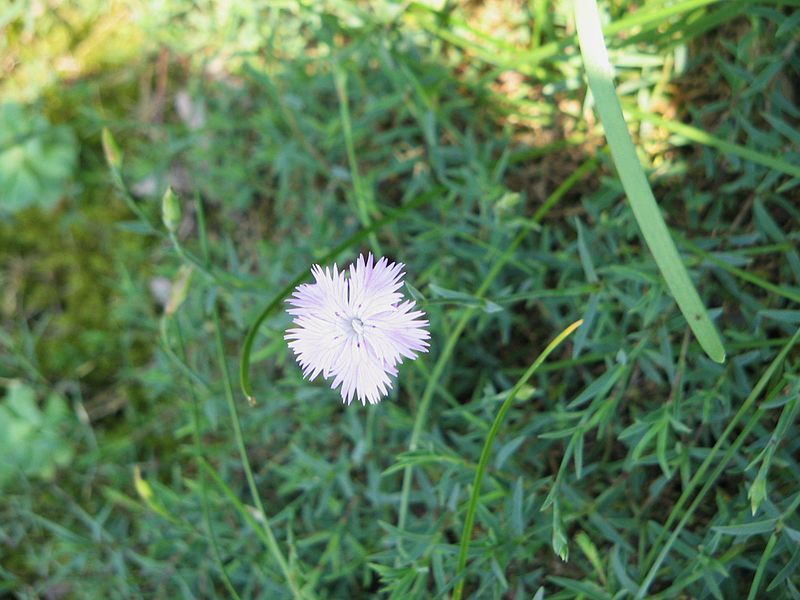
355,330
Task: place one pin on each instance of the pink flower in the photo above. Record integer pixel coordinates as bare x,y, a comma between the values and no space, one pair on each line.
357,329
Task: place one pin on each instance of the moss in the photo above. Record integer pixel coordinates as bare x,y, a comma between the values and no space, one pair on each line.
61,279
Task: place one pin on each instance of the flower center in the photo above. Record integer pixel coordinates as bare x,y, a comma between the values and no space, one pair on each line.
357,325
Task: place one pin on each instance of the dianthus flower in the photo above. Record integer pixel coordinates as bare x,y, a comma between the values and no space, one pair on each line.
357,329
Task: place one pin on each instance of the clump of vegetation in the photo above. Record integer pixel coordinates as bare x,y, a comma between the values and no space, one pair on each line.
460,140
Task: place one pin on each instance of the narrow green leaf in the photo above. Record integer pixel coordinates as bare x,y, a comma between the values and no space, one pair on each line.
560,543
762,567
643,204
591,552
621,573
517,518
786,571
701,137
747,529
111,149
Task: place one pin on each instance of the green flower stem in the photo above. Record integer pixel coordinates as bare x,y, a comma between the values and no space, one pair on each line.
469,522
271,541
264,530
198,453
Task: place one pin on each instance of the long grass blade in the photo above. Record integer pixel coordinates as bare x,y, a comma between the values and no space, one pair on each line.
631,173
472,507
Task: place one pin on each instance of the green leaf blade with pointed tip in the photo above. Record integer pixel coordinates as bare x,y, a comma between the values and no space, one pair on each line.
634,181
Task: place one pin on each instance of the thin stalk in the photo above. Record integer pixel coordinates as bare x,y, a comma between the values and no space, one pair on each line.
360,189
272,543
198,449
472,507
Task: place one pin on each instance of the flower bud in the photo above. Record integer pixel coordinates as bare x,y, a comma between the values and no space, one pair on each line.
170,210
111,149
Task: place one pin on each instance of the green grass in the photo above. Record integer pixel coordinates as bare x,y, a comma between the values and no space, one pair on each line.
465,143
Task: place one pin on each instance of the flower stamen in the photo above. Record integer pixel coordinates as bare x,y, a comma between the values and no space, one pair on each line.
357,325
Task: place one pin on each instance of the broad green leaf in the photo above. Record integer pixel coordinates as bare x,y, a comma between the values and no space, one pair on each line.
32,439
37,159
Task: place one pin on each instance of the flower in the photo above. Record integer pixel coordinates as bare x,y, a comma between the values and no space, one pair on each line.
357,329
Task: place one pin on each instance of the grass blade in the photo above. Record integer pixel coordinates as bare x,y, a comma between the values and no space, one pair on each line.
701,137
469,522
645,209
